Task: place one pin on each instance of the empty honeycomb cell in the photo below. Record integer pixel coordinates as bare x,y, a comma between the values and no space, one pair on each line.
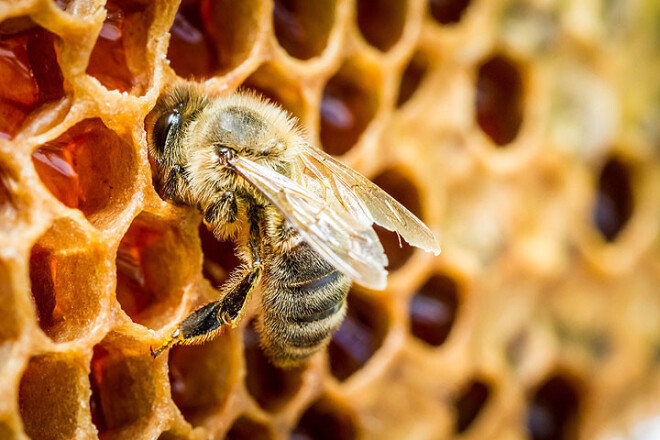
209,37
359,337
381,21
302,27
396,184
119,48
65,282
412,77
203,376
433,310
448,11
272,387
123,386
499,99
219,257
245,428
553,410
191,52
614,200
326,420
30,72
349,103
274,85
470,404
153,266
49,397
88,168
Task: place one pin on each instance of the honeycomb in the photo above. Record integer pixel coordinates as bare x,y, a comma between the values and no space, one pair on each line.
523,132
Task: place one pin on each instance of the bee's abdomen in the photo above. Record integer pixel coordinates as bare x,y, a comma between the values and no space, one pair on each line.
304,302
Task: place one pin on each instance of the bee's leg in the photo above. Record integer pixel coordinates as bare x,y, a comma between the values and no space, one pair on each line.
175,183
223,210
205,322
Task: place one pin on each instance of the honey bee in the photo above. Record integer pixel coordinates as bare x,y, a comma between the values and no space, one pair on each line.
301,220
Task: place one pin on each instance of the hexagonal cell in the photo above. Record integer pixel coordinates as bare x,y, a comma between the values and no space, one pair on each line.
209,37
499,98
326,420
349,103
448,11
153,266
433,310
381,21
614,201
66,273
120,49
271,387
302,27
124,389
359,337
274,85
10,327
245,428
412,77
396,184
553,410
49,398
202,377
89,168
470,404
219,257
30,72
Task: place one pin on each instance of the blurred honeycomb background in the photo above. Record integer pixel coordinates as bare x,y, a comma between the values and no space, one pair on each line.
524,132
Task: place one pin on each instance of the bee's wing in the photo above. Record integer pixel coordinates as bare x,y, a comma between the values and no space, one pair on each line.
345,242
363,198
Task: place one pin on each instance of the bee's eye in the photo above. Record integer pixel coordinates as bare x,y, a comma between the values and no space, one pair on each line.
165,124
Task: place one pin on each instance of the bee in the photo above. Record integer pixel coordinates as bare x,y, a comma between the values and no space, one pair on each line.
301,220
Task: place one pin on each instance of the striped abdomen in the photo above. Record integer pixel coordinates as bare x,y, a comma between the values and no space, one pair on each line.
304,302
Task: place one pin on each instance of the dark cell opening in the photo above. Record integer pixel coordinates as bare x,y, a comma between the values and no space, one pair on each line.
122,385
349,103
403,190
499,104
553,410
85,168
151,271
470,404
325,420
433,310
302,27
272,387
274,85
202,377
212,36
412,77
381,21
191,51
30,72
57,277
245,428
359,337
219,257
614,201
48,398
448,11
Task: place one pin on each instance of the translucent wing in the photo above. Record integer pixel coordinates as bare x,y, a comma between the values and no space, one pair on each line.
362,198
345,242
